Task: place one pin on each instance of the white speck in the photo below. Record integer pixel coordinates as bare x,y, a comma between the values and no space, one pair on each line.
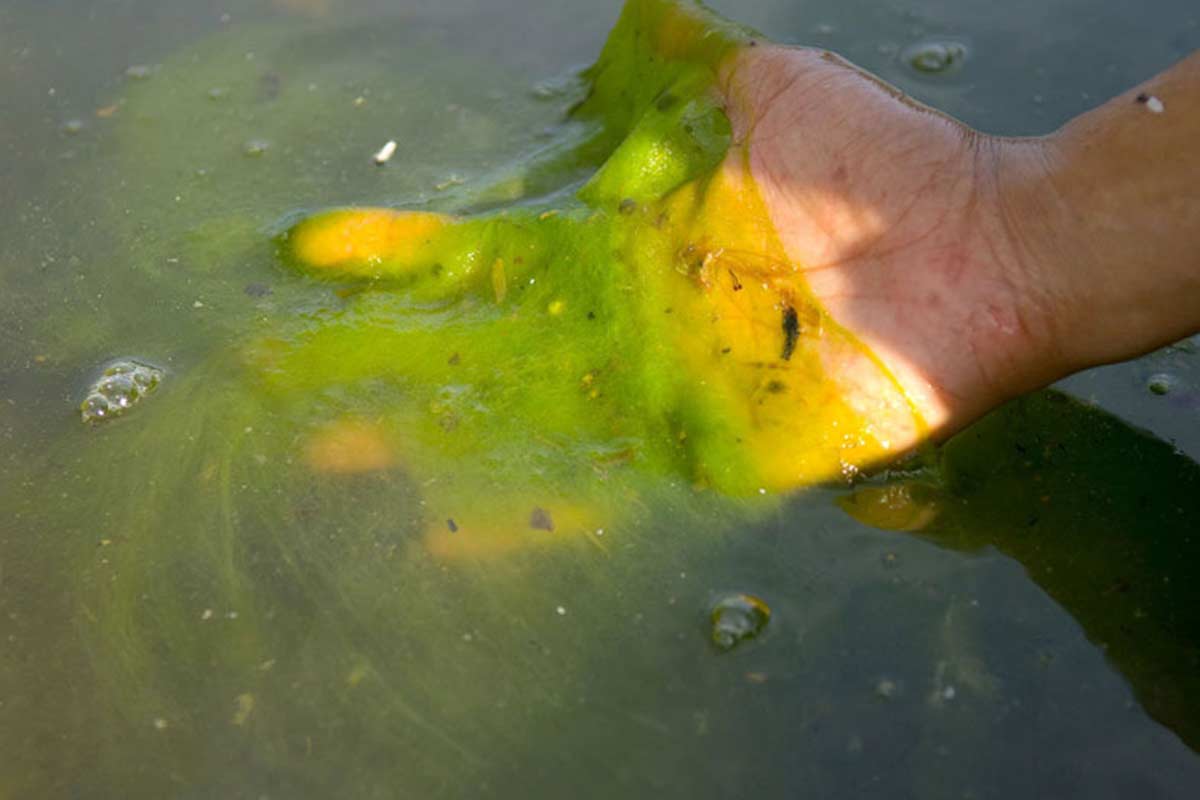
207,615
197,304
762,490
247,429
532,281
160,723
231,615
949,692
1154,105
386,152
561,611
466,637
599,531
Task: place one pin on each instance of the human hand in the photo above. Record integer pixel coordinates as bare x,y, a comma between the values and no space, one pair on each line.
896,217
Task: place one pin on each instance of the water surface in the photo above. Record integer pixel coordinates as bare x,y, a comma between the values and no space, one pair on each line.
187,612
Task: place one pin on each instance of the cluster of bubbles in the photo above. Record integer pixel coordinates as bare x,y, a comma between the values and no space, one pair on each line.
737,618
122,385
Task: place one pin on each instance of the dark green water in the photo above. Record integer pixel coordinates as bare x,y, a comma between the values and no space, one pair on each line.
184,612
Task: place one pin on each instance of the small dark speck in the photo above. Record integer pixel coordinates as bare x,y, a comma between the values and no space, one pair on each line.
1143,98
776,387
452,525
452,360
628,206
726,350
257,289
668,310
591,315
791,332
754,43
539,519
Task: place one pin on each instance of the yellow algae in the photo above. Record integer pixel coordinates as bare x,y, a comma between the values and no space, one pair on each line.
493,527
348,446
356,241
499,282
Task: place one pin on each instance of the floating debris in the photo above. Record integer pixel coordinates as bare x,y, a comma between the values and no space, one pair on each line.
935,58
1161,383
72,127
122,386
539,519
1152,103
386,152
737,618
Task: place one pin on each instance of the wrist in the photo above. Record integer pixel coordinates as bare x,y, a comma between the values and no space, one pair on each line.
1032,242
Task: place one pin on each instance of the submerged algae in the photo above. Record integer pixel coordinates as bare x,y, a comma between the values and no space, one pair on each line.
655,307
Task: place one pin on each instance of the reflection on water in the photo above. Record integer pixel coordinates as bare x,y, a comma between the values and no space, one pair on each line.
188,611
1100,515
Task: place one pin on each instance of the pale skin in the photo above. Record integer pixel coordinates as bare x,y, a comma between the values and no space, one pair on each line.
975,268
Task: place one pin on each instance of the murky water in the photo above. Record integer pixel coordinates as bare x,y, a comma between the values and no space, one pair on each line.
186,610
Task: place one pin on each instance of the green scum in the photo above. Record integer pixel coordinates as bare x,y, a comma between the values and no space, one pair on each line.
647,323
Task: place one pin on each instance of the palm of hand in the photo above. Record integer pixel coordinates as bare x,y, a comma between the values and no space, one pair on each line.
893,212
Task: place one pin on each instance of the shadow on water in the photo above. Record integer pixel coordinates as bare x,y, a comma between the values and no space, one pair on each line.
1101,515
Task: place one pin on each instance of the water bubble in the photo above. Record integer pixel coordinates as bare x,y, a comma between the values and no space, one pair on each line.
1161,383
737,618
935,57
95,407
121,386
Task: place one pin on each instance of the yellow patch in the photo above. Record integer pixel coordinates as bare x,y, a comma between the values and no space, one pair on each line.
349,446
358,241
